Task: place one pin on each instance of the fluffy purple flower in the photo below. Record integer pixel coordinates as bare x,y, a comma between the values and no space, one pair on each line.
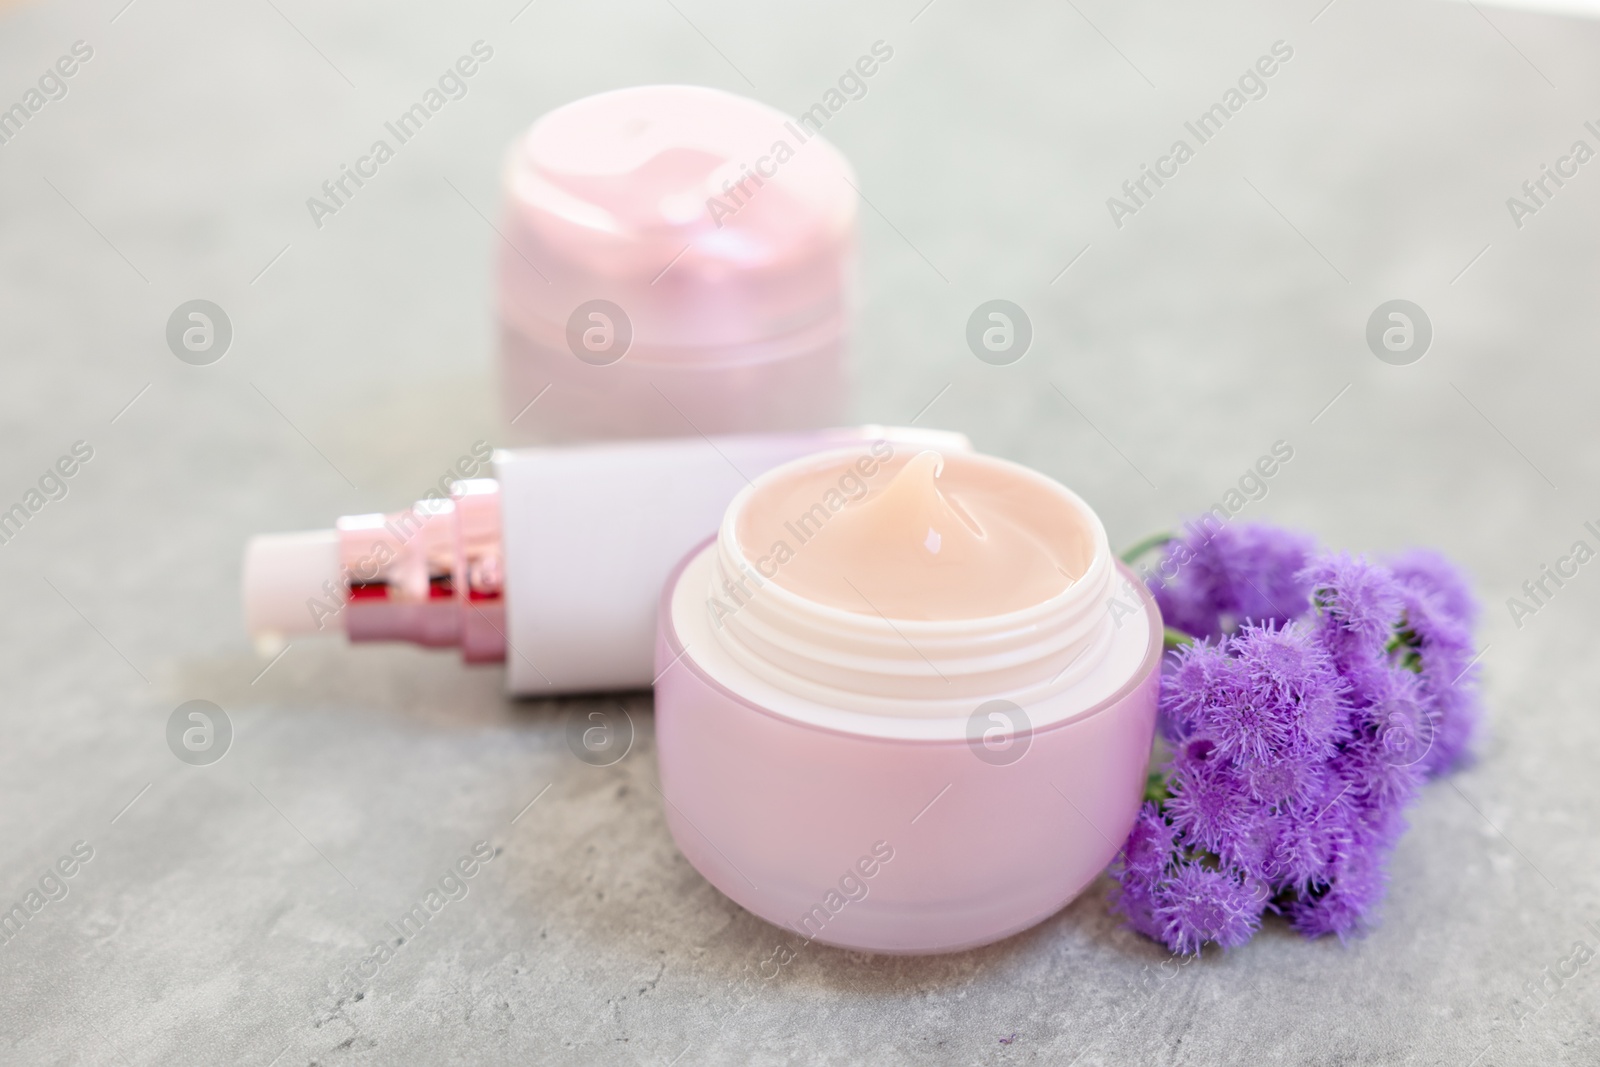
1200,676
1150,850
1253,850
1248,722
1217,577
1345,902
1297,677
1428,571
1438,613
1183,903
1209,803
1321,694
1286,781
1150,844
1357,604
1134,898
1199,904
1309,838
1393,735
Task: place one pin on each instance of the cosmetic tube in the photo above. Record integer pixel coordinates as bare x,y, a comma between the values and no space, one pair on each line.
553,566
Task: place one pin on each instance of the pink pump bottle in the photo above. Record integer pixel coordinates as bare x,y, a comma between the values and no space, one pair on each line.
554,566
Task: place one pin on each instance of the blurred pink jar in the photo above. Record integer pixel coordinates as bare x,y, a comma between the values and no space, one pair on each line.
678,260
818,773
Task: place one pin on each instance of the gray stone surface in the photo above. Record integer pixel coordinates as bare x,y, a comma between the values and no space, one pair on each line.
221,908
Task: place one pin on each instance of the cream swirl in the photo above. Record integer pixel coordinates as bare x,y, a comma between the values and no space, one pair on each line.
912,584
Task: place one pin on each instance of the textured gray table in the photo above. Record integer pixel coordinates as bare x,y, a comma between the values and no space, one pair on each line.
222,905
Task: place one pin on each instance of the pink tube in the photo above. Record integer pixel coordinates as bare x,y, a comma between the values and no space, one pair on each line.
788,818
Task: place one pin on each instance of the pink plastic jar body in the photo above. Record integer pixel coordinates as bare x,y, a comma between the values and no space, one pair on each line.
793,387
713,236
786,818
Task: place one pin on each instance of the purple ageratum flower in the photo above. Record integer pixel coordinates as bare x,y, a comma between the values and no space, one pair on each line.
1151,844
1427,570
1151,849
1299,737
1358,604
1209,803
1346,902
1198,904
1288,670
1265,568
1258,696
1251,851
1393,736
1218,576
1289,781
1457,713
1134,899
1176,901
1438,615
1250,724
1199,676
1308,839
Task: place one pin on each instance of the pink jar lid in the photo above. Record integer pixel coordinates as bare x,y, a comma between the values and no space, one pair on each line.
634,196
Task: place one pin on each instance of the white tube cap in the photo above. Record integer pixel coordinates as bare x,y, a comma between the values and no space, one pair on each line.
281,573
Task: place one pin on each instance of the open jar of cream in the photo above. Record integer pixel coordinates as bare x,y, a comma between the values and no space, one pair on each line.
905,699
677,261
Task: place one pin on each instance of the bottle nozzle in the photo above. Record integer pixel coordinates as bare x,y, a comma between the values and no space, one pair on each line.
430,575
285,576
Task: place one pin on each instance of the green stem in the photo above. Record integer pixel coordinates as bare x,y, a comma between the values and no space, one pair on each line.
1171,639
1150,543
1155,787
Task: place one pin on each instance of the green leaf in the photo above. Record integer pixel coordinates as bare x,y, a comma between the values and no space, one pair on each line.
1405,647
1160,540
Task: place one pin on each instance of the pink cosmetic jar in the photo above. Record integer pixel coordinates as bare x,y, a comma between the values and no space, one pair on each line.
677,261
918,780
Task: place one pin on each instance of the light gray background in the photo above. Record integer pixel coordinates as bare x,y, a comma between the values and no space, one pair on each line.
221,907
